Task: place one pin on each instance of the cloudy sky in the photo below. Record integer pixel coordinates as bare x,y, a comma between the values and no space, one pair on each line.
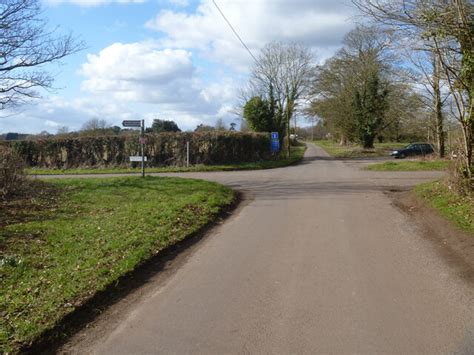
168,59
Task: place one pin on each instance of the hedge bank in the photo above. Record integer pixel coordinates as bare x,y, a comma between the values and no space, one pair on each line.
164,149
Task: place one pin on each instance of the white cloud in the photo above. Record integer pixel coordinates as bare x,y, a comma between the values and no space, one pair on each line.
142,72
162,79
319,24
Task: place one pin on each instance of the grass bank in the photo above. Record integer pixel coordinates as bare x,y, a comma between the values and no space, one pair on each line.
418,165
296,155
457,209
75,237
354,151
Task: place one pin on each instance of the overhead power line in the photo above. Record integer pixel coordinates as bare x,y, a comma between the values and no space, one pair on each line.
235,32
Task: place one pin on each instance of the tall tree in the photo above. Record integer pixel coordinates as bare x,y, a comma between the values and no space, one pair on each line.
350,92
369,104
282,75
26,44
332,98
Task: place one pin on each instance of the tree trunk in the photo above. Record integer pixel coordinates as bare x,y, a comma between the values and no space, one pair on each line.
469,142
288,135
343,140
368,141
438,107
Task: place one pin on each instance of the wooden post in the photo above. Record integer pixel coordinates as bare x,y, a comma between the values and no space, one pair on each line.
142,145
187,154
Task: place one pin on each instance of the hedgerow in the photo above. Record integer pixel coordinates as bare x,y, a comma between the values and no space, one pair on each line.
163,149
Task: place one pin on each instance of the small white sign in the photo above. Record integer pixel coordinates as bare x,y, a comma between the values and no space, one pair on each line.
137,158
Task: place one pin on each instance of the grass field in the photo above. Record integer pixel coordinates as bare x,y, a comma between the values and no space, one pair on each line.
408,165
459,210
75,237
354,151
296,155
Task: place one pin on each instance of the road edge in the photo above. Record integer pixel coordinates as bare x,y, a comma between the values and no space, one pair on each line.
454,245
73,323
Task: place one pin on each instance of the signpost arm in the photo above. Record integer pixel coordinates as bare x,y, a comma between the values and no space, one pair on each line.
142,147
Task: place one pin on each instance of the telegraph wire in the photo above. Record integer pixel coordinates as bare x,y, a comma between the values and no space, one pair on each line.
235,32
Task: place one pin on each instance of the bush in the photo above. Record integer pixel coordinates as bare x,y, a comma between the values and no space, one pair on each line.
163,149
459,178
12,177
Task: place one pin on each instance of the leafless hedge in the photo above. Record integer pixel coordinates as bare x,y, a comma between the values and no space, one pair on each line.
164,149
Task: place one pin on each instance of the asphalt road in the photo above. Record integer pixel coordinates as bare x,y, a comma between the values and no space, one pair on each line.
317,261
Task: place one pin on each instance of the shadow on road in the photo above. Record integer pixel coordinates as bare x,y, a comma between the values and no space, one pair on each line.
281,190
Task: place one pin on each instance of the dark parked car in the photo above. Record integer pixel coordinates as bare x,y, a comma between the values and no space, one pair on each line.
413,149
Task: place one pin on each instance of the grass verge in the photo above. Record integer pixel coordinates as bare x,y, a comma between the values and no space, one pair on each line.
77,237
354,151
457,209
296,155
418,165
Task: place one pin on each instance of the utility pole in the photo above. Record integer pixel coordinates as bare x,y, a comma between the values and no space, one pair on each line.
288,126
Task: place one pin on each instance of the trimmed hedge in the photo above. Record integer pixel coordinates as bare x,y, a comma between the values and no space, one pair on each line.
164,149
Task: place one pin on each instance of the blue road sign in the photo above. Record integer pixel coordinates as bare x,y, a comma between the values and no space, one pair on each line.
275,142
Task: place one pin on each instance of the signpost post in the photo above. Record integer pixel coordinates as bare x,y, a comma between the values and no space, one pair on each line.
142,145
142,140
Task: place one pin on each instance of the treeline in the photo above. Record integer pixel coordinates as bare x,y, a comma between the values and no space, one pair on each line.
360,95
408,75
435,40
100,127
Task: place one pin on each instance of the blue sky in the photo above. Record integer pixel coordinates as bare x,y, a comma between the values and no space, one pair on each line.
168,59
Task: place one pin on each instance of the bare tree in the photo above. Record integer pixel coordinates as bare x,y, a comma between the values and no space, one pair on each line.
449,26
95,124
282,75
62,130
425,73
220,125
25,45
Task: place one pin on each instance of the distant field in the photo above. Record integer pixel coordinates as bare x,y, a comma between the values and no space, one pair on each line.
296,155
410,165
75,237
354,151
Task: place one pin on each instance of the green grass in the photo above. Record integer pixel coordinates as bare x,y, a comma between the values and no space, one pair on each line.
418,165
58,249
459,210
355,151
296,155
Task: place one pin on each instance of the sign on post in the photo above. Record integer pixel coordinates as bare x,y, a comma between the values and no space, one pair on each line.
141,139
275,142
137,158
132,123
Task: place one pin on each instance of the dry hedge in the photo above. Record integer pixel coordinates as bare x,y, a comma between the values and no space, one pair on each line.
164,149
12,176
